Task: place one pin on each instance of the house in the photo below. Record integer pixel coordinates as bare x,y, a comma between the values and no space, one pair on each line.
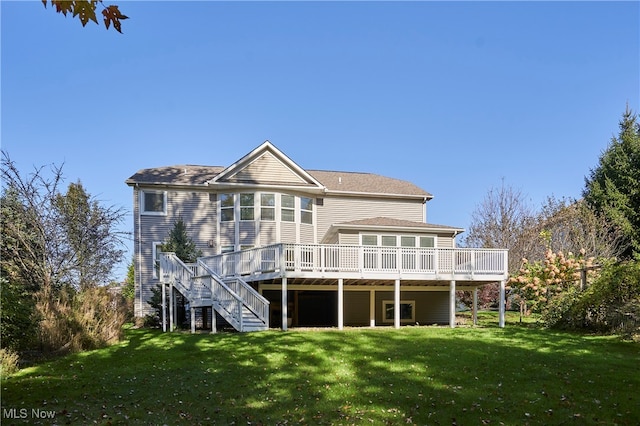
284,246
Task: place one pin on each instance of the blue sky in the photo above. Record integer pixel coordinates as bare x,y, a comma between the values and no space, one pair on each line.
455,97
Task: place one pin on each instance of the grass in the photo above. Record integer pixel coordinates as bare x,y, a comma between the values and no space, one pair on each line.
416,375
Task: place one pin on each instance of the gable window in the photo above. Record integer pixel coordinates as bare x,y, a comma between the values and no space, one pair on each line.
246,207
268,207
287,208
306,210
407,311
226,208
154,202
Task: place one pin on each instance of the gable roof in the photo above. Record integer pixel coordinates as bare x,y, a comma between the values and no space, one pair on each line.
268,166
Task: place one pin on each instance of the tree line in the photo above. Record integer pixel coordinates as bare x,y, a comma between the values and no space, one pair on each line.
574,261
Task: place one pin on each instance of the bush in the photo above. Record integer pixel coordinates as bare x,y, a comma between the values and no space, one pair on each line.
610,305
8,362
73,320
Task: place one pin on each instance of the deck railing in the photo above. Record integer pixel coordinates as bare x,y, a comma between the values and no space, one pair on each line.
326,258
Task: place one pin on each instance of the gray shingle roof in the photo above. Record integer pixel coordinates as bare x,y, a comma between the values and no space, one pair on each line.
390,222
349,182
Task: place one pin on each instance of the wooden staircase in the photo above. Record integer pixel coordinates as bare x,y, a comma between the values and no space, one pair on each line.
232,298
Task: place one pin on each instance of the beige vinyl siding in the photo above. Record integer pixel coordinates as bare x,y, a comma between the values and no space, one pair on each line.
288,232
307,234
432,307
227,234
267,168
268,233
247,233
349,238
344,209
445,241
356,308
199,216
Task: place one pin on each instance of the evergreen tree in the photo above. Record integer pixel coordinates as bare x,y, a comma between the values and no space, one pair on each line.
181,244
613,187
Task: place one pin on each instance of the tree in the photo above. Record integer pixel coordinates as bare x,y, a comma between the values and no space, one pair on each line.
503,219
85,11
181,244
56,248
571,226
613,187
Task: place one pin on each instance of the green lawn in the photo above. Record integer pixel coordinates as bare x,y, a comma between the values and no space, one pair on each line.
417,375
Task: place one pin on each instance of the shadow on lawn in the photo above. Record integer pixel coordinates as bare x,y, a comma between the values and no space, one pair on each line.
419,375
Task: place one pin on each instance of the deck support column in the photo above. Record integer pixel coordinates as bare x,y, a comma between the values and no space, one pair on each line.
284,304
475,306
171,307
164,307
452,304
340,303
372,308
501,303
214,329
193,319
396,305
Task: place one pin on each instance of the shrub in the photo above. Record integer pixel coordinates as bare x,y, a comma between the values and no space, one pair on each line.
611,304
80,320
8,362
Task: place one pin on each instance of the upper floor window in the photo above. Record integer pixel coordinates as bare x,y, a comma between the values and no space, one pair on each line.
267,207
154,202
306,210
247,207
287,208
226,208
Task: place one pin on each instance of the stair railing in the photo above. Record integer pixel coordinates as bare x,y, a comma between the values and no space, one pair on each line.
246,294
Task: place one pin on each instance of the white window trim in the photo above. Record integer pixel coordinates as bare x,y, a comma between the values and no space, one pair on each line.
399,239
154,255
153,213
385,303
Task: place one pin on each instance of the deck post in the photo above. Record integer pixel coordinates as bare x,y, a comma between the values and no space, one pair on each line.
193,319
372,308
396,305
171,307
501,303
284,304
475,306
213,319
340,303
452,304
164,307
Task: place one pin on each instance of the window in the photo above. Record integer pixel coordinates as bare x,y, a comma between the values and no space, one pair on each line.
427,242
226,249
154,202
246,207
226,207
306,210
407,241
407,311
369,240
389,240
268,207
287,212
156,250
